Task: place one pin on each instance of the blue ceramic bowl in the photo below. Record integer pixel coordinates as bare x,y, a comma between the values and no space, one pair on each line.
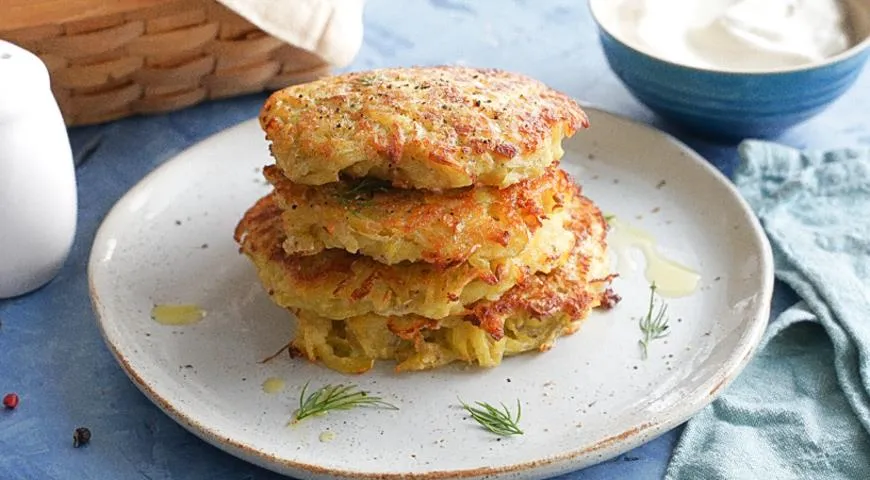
736,105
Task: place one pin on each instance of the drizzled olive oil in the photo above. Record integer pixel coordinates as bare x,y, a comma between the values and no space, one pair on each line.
273,385
177,315
671,278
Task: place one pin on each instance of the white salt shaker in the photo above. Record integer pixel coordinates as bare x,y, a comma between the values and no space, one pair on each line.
37,176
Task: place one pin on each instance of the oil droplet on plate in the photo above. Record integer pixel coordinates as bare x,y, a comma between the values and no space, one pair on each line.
672,279
177,314
273,385
327,436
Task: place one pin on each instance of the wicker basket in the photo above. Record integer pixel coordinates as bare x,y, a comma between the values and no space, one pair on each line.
113,59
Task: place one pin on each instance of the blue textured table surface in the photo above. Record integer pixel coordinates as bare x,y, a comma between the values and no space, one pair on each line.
51,352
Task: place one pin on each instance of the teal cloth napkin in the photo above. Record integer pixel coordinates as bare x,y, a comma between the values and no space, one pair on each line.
801,409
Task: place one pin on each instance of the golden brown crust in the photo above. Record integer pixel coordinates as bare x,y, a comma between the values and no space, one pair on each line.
427,127
528,317
479,225
337,284
572,290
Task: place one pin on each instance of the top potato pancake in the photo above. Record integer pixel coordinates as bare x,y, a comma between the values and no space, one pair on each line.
430,127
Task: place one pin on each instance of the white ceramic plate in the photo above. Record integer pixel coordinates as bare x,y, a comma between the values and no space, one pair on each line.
588,399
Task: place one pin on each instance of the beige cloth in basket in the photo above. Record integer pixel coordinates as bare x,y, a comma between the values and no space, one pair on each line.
332,29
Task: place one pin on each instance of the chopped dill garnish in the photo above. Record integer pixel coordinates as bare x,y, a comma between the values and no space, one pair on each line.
362,192
369,80
498,421
653,326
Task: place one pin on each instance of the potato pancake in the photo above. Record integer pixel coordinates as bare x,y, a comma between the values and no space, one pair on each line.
479,225
529,317
428,127
337,284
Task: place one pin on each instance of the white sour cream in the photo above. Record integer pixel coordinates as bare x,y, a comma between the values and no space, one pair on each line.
733,35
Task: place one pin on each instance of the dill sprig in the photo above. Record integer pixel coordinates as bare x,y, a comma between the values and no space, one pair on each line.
335,397
498,421
653,326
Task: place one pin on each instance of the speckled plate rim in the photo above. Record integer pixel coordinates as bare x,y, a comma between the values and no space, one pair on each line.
572,460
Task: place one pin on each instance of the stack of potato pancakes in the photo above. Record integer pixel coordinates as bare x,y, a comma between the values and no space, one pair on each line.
419,215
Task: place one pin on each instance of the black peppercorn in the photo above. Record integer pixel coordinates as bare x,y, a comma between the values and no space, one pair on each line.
82,436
